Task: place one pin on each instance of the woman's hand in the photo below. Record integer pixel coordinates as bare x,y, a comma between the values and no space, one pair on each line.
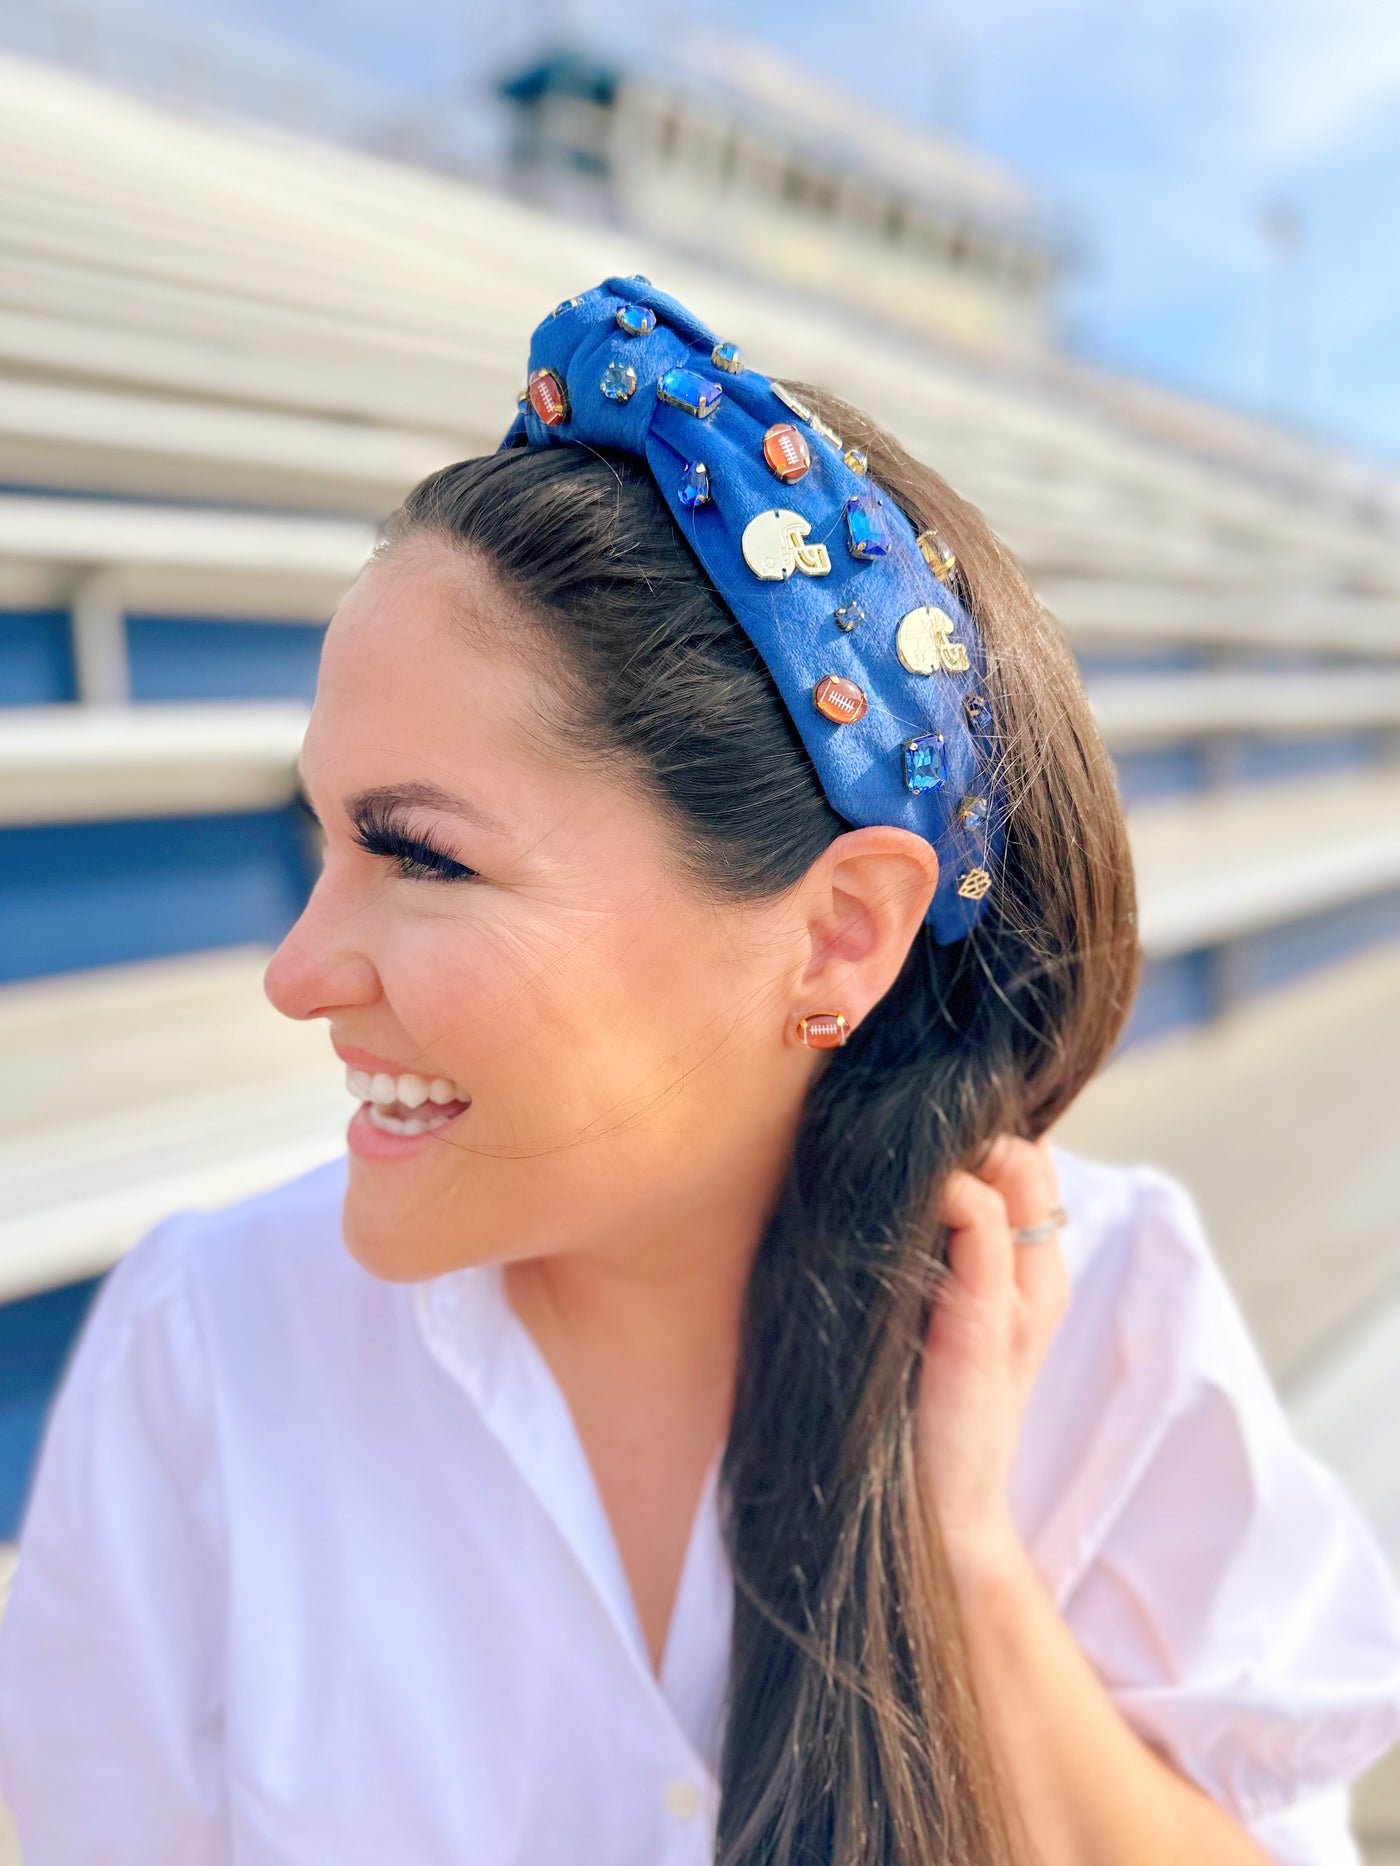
988,1333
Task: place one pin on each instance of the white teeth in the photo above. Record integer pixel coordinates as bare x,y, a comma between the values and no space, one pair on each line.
408,1091
414,1124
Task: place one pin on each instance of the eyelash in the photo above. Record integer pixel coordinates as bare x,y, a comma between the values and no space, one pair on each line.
417,859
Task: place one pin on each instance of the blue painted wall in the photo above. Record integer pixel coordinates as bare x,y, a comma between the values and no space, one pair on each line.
36,660
222,660
170,660
36,1337
84,894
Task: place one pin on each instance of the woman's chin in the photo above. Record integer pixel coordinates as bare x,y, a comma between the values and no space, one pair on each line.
383,1252
401,1238
387,1235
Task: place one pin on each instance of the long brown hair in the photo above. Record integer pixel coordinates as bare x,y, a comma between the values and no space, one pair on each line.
853,1735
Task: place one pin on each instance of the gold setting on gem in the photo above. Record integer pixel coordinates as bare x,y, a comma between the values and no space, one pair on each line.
937,555
794,402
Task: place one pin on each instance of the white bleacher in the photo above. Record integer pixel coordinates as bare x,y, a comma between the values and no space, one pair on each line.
91,764
309,297
1133,711
1217,866
178,560
134,1090
1300,1200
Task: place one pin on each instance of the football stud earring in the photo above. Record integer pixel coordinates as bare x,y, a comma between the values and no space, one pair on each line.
823,1030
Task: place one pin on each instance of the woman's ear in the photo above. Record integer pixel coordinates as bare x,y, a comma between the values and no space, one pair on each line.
864,901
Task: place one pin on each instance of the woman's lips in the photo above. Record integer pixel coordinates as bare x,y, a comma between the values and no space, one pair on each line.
370,1141
356,1058
401,1109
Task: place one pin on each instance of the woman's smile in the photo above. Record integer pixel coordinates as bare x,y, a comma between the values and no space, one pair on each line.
375,1134
399,1108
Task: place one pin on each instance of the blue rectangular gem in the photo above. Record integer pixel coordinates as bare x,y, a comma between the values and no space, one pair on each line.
688,389
867,534
925,766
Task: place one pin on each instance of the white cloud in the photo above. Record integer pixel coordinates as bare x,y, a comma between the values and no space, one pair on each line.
1322,70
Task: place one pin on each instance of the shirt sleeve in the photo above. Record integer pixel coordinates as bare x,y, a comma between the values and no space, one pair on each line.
1230,1594
111,1712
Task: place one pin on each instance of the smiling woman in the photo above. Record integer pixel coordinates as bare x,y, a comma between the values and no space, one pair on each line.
741,1445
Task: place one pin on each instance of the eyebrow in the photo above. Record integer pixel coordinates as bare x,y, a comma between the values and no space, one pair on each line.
422,795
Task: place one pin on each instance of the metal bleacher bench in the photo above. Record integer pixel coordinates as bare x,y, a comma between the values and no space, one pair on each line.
143,1088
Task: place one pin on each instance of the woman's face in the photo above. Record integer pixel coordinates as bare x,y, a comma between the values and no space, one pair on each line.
515,928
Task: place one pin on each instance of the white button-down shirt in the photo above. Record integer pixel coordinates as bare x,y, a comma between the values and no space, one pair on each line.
314,1567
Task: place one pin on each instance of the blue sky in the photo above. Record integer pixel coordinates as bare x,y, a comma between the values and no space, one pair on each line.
1169,130
1162,129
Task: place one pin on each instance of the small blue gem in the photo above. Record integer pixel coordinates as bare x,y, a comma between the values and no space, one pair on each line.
688,389
636,320
972,812
977,712
867,533
729,357
566,304
695,485
925,767
619,382
850,615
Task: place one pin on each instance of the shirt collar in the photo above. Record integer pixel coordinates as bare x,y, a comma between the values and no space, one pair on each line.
474,1334
467,1322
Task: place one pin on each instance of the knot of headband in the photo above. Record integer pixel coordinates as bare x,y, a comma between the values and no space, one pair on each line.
856,618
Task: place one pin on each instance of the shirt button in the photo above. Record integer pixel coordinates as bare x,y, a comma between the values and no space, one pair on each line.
682,1799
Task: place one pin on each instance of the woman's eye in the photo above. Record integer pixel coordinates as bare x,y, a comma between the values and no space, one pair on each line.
413,858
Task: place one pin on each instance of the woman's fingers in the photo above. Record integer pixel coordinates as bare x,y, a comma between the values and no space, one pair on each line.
1015,1184
980,1251
1023,1172
986,1336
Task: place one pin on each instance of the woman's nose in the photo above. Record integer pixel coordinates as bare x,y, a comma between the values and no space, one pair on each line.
317,970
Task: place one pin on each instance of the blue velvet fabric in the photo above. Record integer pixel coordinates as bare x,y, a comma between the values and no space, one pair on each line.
860,762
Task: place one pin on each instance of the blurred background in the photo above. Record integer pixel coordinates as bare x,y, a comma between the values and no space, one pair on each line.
1128,277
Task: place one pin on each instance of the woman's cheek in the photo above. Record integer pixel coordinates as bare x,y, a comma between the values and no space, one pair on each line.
513,1019
561,1028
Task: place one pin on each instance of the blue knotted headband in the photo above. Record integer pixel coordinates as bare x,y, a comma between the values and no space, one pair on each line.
876,658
